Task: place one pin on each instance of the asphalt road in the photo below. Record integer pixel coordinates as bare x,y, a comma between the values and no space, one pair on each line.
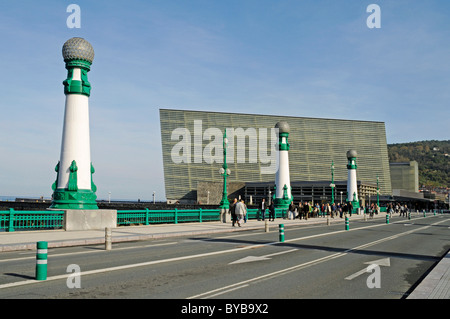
372,260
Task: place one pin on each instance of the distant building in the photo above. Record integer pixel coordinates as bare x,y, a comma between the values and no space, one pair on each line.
405,176
192,153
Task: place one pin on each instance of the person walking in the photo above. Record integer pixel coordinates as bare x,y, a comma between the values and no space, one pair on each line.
291,211
333,210
344,209
350,208
245,211
233,212
300,210
305,210
328,211
272,211
263,207
240,212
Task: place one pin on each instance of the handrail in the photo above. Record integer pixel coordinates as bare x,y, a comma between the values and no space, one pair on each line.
12,220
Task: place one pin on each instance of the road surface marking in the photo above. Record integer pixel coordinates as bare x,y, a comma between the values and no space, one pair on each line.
259,258
239,285
379,262
148,263
86,252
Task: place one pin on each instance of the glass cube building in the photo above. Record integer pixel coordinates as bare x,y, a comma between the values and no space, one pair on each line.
193,153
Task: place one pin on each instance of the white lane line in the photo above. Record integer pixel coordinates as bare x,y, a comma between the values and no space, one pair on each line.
280,253
239,285
86,252
103,270
226,291
266,276
148,263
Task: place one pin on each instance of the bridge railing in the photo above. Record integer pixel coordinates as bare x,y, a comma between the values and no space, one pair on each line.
12,220
175,216
168,216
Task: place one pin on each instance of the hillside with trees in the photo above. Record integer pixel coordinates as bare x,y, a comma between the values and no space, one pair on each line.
433,158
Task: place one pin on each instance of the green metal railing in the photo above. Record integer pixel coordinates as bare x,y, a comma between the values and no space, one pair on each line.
24,220
172,216
13,220
175,216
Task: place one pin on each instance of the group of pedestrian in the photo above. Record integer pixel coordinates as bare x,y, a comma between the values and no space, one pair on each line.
398,209
263,207
238,211
372,209
308,210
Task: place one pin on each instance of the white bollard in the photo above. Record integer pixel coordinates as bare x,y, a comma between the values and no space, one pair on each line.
108,243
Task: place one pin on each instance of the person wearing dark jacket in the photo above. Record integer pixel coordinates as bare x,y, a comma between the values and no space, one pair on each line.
233,212
305,210
291,213
272,211
263,207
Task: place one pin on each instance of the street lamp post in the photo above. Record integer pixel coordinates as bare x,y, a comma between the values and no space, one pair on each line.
224,171
378,192
332,183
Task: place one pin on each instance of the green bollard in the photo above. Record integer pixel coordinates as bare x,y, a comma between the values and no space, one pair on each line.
387,218
424,214
281,229
41,260
347,226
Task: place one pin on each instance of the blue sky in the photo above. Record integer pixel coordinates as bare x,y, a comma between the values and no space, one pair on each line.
300,57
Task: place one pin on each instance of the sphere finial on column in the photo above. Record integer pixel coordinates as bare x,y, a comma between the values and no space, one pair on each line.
352,154
78,49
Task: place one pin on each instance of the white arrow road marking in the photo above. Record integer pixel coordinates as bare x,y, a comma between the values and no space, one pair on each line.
256,258
379,262
248,259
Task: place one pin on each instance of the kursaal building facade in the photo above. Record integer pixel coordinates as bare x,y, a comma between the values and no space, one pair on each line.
192,148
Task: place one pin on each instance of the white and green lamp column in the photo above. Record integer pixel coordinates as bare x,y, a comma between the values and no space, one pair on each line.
378,192
352,186
74,187
224,171
332,185
283,196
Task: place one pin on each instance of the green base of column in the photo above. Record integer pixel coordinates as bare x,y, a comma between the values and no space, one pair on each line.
355,205
80,199
282,203
224,204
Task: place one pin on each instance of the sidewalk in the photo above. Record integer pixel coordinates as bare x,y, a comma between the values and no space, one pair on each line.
435,286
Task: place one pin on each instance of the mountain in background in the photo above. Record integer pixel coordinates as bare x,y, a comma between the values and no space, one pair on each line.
433,158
